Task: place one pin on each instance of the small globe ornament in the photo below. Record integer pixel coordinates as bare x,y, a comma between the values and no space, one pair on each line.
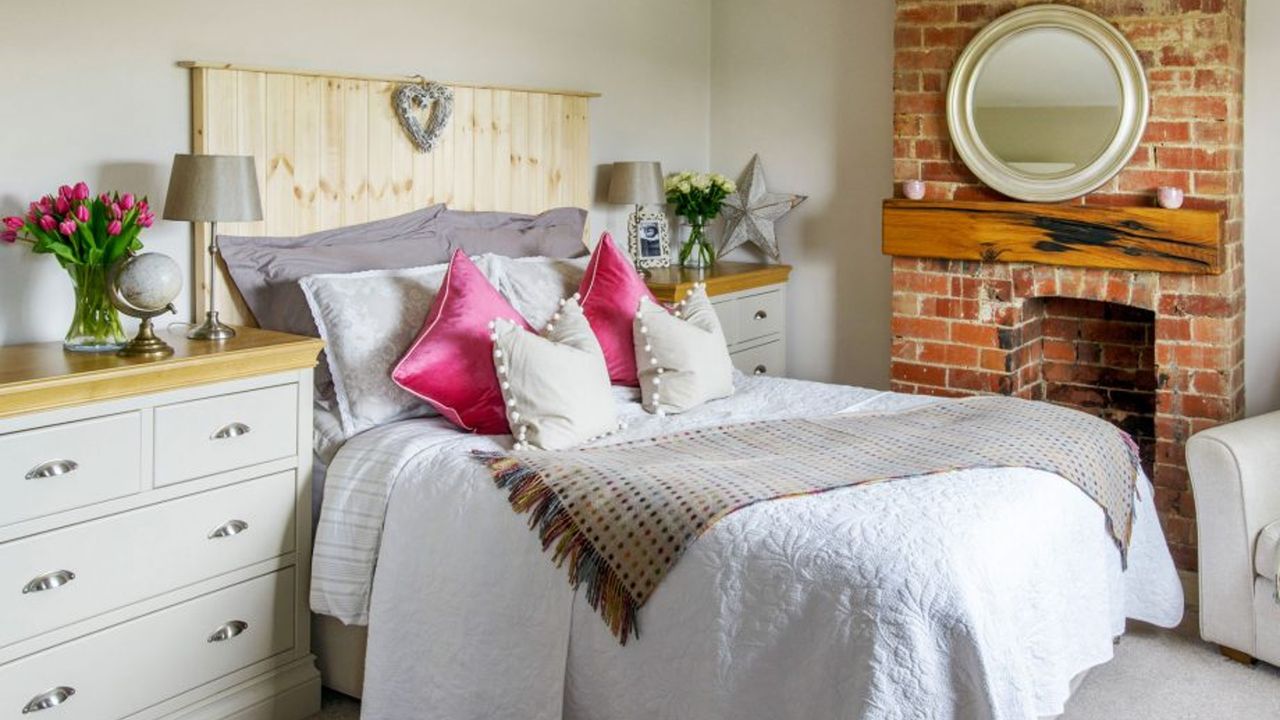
148,282
144,286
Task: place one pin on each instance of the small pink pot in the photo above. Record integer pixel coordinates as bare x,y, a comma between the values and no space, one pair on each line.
1169,197
913,189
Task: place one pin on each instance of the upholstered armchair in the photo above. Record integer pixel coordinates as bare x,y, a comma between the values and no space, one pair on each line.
1235,473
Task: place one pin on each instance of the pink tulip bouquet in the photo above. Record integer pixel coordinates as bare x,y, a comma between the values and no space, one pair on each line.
79,229
86,235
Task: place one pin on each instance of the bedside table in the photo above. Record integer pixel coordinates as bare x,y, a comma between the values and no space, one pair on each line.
751,301
155,533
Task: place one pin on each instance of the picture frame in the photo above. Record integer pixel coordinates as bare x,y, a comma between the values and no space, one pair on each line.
649,240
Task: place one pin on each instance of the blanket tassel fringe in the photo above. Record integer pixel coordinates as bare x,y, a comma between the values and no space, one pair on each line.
529,494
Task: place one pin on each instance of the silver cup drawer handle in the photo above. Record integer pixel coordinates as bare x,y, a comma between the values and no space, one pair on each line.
228,630
760,315
49,699
760,370
231,430
53,468
48,581
229,528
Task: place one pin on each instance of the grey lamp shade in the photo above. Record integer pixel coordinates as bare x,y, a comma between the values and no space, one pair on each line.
213,188
636,183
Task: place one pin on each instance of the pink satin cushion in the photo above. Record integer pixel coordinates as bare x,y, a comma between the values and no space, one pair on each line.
450,365
610,295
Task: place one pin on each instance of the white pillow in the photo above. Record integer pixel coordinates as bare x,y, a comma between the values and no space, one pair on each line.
681,358
367,320
534,285
556,385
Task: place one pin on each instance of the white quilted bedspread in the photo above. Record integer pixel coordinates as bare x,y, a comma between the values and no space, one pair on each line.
974,594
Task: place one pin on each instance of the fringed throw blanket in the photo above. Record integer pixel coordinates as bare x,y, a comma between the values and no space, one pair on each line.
623,514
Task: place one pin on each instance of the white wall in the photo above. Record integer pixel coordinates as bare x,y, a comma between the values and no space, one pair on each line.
808,86
92,91
1262,207
693,83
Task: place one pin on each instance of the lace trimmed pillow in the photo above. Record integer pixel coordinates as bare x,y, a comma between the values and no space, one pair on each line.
555,385
367,320
681,357
535,285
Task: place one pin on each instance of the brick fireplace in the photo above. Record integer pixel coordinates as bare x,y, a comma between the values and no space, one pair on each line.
1159,354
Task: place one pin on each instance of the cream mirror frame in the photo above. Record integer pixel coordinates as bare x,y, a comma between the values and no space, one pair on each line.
1017,35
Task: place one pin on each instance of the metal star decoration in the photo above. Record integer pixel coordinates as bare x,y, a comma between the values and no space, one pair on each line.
749,213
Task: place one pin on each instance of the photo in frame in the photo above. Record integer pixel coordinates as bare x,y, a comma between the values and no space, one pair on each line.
648,240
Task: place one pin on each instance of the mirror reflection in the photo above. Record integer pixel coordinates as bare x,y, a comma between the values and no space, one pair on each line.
1047,102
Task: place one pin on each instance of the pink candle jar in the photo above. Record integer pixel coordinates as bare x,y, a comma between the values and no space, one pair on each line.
1169,197
913,189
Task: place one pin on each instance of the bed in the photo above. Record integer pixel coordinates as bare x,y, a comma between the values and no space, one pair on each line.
979,593
986,592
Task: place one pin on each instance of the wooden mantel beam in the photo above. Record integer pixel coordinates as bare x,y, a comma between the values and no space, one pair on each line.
1124,238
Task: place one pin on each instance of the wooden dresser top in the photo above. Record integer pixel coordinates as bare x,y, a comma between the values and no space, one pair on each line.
42,376
670,284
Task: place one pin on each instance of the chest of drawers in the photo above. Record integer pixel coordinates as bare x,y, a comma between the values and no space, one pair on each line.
750,302
155,532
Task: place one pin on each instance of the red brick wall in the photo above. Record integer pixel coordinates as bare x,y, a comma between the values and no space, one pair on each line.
965,327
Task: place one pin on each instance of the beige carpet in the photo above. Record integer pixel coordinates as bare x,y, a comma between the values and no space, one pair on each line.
1161,675
1156,675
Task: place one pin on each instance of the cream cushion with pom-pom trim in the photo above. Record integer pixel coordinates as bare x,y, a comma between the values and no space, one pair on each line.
555,385
682,358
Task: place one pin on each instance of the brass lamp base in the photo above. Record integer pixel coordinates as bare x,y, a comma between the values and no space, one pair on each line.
211,329
146,344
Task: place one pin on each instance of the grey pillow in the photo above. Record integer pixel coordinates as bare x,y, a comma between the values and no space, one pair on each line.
267,269
556,233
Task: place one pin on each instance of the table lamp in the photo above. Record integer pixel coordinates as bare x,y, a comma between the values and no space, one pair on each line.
213,189
636,183
639,184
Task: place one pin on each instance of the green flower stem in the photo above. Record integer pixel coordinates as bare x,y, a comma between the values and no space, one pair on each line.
96,323
697,250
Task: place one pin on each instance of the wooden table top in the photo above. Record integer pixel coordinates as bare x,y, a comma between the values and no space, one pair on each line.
43,376
670,284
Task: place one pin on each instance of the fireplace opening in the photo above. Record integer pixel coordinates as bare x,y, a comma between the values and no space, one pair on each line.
1099,357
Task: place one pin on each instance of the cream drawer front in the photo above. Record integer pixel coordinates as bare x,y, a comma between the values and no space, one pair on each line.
760,315
57,468
209,436
767,359
67,575
121,670
727,314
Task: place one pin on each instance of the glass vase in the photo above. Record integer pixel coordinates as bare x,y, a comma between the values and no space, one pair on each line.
697,251
95,327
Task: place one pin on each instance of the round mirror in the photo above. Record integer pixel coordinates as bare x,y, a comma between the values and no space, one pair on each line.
1047,103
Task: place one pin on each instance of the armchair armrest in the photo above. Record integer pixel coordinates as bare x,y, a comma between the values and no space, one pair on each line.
1235,475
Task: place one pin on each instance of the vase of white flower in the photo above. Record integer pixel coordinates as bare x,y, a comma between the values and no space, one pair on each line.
697,198
696,252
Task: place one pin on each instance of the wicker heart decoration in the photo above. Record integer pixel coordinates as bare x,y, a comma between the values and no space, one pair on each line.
411,99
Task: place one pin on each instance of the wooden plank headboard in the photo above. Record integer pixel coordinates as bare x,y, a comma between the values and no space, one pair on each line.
330,152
